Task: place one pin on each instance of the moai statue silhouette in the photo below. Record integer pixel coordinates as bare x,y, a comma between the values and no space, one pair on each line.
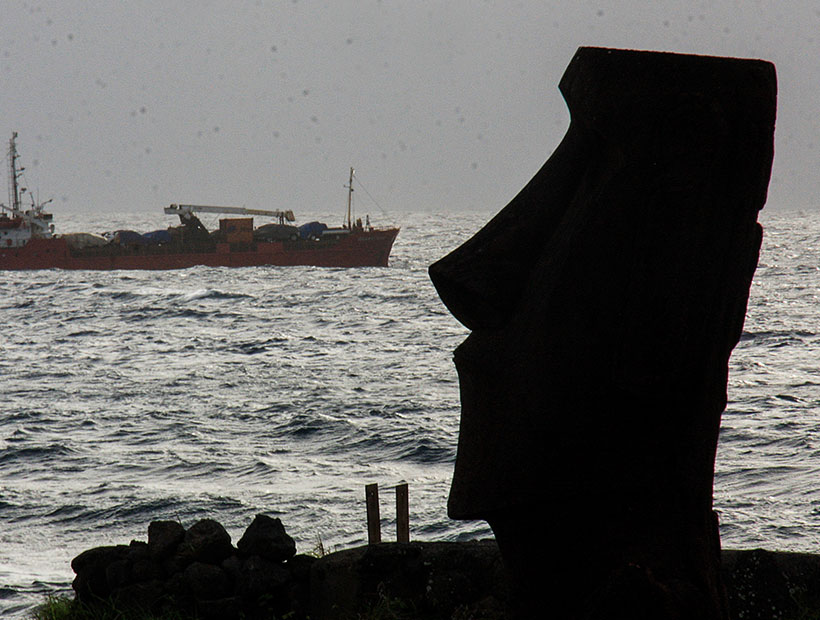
604,302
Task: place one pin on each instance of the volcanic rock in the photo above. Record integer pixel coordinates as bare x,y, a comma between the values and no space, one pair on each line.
163,538
266,537
208,541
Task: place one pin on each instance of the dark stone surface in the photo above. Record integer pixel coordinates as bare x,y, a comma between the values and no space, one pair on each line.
233,567
300,565
763,586
163,538
604,302
90,567
208,541
259,576
118,573
178,560
197,572
206,581
146,570
266,537
138,550
426,581
228,608
299,587
143,596
434,580
98,557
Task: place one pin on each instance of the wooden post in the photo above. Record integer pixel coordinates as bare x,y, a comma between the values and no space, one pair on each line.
402,514
374,532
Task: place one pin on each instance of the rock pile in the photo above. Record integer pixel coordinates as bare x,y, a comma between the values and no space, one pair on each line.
198,571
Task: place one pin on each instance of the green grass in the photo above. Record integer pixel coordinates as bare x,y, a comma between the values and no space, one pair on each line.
66,608
55,608
386,608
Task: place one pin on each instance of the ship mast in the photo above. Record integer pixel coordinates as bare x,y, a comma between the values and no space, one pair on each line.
14,190
35,218
350,201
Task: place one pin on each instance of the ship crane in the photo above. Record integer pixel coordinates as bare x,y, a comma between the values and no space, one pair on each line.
181,210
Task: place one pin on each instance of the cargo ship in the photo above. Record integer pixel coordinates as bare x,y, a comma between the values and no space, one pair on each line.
28,239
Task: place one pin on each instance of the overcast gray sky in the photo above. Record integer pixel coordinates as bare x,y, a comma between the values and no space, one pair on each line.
439,104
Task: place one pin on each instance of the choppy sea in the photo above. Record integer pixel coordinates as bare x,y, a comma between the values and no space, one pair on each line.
132,396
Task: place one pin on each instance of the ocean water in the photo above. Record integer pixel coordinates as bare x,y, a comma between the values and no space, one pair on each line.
222,393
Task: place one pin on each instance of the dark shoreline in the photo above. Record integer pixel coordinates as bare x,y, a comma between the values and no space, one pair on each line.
199,571
760,584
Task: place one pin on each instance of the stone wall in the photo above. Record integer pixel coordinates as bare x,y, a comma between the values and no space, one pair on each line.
198,571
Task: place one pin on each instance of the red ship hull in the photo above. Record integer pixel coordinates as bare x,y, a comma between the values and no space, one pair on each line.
359,248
